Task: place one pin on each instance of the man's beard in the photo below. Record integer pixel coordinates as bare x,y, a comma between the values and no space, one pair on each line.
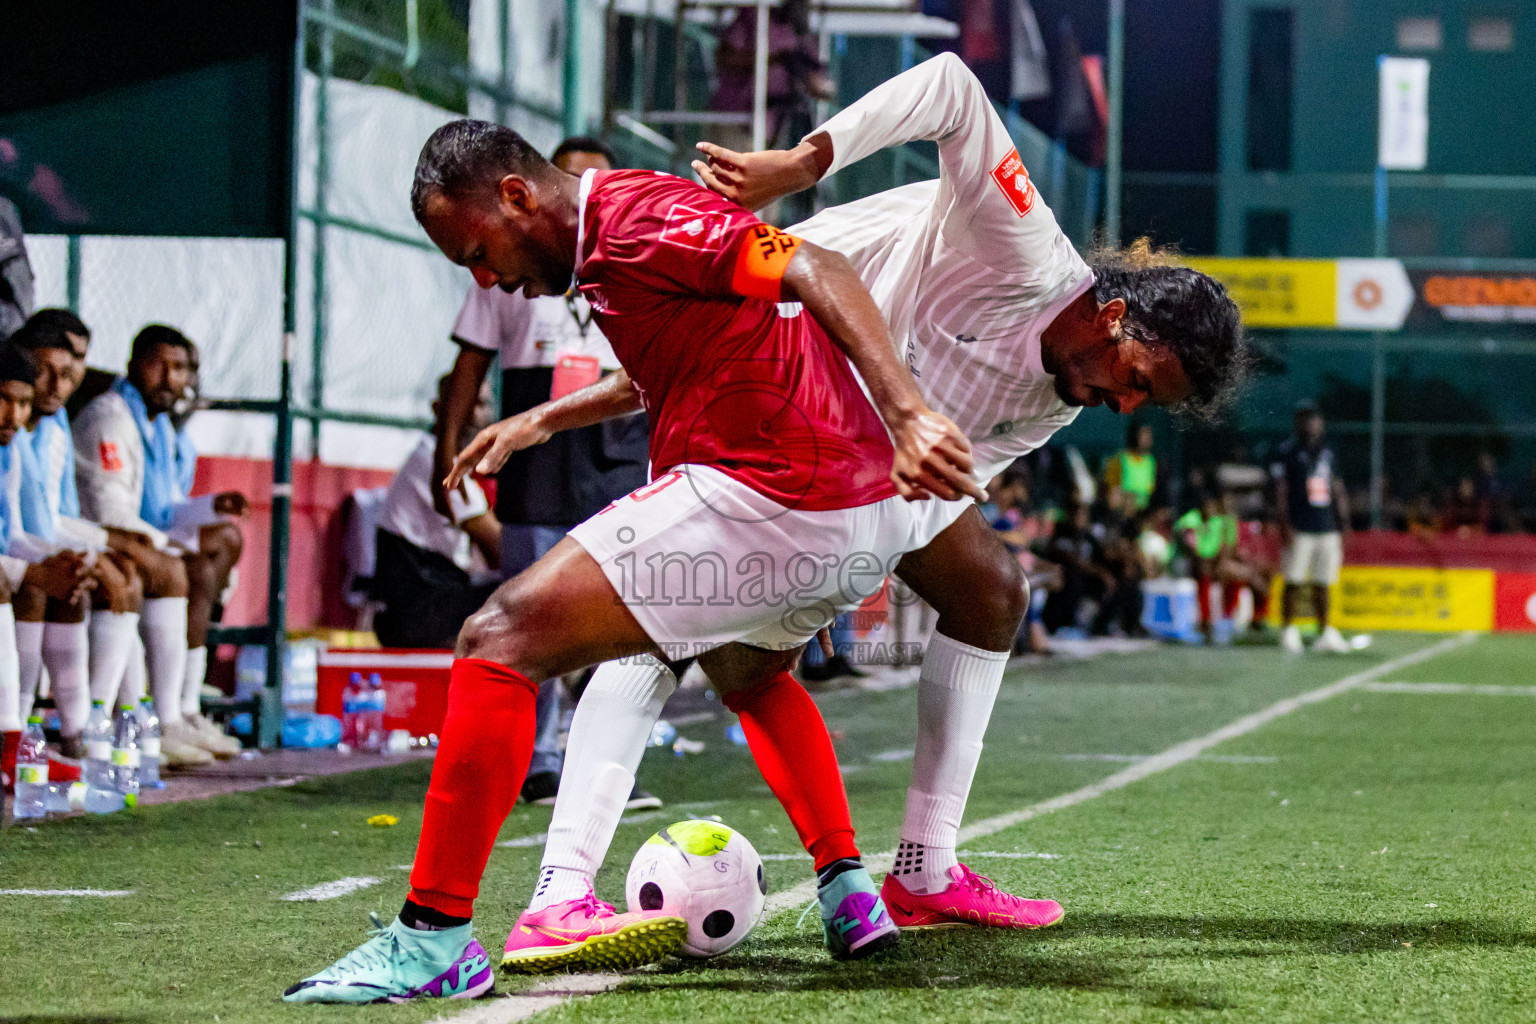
1059,383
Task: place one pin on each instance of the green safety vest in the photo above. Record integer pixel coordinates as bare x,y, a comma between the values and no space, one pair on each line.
1211,535
1138,475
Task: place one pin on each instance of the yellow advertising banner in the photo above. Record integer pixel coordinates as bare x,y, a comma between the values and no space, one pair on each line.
1278,293
1374,598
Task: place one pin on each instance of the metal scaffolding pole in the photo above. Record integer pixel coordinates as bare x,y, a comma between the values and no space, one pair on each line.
760,80
570,83
269,719
1115,87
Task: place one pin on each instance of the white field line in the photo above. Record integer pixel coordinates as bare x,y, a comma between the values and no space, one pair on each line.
66,892
1479,689
332,890
1174,756
545,994
1008,855
524,1005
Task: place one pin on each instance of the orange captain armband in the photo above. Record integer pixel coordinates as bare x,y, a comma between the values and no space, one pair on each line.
760,262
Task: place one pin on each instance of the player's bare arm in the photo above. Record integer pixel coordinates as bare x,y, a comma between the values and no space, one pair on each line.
613,396
754,180
933,458
456,412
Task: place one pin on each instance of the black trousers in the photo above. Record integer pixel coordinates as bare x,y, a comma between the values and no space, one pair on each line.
426,597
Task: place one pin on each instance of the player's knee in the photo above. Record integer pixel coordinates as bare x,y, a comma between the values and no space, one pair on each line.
223,542
124,592
500,631
164,575
29,603
1001,595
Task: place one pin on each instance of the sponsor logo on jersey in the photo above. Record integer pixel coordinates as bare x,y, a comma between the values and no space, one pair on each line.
690,228
1013,179
111,461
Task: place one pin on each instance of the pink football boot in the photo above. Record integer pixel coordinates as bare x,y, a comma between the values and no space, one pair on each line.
970,900
588,934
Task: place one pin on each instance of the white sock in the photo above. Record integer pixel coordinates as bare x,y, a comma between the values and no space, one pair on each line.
114,635
132,689
67,655
29,657
956,688
192,685
10,673
163,628
609,732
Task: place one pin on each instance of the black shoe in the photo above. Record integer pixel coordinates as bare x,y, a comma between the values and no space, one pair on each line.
540,788
640,800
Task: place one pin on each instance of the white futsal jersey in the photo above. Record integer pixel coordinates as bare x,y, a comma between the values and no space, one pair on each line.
969,269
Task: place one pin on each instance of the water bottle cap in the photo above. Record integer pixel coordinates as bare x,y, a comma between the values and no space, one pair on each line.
98,703
126,707
356,677
34,719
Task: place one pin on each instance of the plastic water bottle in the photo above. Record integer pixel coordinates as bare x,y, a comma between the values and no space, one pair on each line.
126,754
372,726
98,747
66,797
149,745
31,772
352,706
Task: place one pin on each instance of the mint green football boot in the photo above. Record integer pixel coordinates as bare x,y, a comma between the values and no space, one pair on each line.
398,964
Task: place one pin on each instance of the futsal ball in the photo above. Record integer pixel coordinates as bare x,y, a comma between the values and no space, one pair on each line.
706,873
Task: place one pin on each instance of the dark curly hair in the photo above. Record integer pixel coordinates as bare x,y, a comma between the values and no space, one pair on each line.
1183,310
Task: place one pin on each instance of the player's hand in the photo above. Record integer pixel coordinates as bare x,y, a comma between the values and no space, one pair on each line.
231,503
65,576
824,638
754,180
933,459
491,448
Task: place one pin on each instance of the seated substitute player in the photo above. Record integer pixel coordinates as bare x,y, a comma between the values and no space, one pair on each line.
764,446
64,576
1010,333
130,482
52,633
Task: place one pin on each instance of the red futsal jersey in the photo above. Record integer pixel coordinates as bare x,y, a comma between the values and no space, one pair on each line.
685,286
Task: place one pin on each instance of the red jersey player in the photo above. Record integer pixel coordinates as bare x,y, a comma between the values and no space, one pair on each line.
775,482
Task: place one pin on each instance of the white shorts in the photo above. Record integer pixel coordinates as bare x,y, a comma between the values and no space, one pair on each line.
701,559
1314,558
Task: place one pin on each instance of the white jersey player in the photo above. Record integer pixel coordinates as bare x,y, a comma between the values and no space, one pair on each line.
1008,332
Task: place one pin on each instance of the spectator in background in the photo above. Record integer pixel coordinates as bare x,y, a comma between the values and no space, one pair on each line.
1154,539
425,569
796,74
1086,576
1464,513
1133,469
1209,534
1493,496
1313,515
547,347
1244,482
15,272
1019,527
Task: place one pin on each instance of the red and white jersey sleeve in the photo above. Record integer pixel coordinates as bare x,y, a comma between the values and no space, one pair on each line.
686,286
968,269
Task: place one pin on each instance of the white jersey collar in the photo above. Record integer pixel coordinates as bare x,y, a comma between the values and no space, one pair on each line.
581,220
1032,358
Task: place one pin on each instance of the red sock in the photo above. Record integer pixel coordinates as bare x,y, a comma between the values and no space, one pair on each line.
486,744
1204,591
1231,593
793,751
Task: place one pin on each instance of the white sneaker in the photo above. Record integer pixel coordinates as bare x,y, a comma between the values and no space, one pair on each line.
1330,641
177,750
185,734
211,738
1290,640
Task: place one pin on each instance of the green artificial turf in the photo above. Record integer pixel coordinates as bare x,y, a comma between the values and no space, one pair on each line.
1287,875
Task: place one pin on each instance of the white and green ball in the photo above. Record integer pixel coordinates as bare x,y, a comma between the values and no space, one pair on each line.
706,873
